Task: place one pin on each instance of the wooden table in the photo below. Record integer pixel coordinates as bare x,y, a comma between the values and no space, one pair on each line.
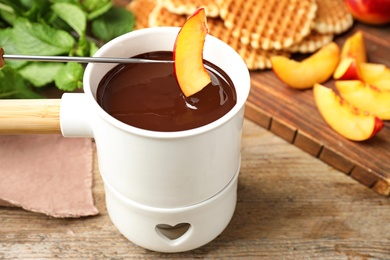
290,206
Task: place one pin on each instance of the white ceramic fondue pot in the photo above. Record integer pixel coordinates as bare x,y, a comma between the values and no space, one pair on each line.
165,191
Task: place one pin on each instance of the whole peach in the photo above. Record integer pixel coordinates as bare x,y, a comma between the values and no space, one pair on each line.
370,11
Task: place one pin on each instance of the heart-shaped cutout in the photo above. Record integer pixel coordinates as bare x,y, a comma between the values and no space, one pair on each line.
172,232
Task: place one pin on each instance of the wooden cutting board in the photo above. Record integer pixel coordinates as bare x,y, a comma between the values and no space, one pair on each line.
292,115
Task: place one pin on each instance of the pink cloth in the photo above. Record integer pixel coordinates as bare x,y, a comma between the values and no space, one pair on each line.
48,174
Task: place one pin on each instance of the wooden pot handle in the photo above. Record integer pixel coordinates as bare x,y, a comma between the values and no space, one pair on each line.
30,116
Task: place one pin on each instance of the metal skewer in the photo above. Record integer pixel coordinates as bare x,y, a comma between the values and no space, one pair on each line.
75,59
81,59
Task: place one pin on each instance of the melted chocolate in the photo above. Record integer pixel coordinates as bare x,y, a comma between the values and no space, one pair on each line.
147,96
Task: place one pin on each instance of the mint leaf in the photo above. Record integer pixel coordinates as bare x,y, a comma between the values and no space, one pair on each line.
16,6
72,15
41,73
35,9
13,85
7,17
54,27
30,9
96,8
75,2
41,39
93,48
115,22
70,77
8,44
6,40
92,5
83,47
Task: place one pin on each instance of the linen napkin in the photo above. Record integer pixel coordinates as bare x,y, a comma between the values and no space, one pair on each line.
47,174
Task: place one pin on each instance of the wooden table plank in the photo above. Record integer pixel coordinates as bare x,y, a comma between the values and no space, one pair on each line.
290,206
292,115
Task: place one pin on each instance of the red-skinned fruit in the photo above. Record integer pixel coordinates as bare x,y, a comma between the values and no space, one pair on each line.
375,12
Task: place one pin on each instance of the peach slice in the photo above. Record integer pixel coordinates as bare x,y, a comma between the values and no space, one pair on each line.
354,47
347,69
377,75
365,96
353,53
382,84
317,68
374,74
350,122
190,71
371,71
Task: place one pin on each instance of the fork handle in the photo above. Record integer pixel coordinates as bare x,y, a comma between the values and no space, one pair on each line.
30,116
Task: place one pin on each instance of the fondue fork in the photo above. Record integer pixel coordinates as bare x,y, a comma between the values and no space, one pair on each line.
75,59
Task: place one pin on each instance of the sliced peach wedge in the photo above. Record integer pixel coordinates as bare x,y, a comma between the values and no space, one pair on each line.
347,69
367,97
372,71
190,71
382,84
347,120
353,53
317,68
354,47
374,74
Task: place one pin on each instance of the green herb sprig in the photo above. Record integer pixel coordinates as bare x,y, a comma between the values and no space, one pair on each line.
54,27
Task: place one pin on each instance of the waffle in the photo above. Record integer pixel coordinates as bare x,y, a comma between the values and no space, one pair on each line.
269,24
311,43
161,16
141,10
188,7
332,17
253,58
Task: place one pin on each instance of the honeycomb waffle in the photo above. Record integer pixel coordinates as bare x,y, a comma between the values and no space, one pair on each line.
161,16
312,42
141,10
253,58
269,24
332,17
188,7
